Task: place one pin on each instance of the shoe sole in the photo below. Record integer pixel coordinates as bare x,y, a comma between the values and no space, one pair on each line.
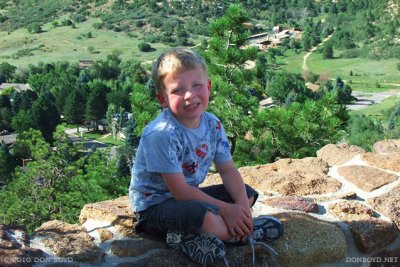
202,248
262,220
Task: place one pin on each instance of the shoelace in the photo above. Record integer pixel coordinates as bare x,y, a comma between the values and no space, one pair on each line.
252,242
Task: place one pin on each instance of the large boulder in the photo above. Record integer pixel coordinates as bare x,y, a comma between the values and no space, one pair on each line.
389,162
14,247
387,146
69,241
338,154
160,255
388,204
365,177
369,232
116,212
291,177
308,241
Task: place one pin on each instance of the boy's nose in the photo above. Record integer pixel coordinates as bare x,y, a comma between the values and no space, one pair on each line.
189,94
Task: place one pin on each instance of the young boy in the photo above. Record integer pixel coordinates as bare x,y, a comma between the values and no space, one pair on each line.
175,153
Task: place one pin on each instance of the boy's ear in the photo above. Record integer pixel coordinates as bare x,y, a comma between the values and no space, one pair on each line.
161,99
209,86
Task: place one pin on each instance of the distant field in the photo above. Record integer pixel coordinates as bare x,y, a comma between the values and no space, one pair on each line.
368,75
378,109
21,48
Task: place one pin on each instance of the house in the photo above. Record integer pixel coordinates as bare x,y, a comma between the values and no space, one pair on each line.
85,63
19,87
8,139
277,29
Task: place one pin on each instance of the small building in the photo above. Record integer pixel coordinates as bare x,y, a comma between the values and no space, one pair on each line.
19,87
85,63
8,139
277,29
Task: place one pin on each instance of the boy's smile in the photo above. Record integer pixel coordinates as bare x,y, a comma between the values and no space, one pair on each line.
186,94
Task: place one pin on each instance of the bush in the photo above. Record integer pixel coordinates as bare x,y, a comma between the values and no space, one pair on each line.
398,66
144,47
97,25
350,53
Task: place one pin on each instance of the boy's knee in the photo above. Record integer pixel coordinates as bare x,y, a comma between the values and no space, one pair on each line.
211,219
215,224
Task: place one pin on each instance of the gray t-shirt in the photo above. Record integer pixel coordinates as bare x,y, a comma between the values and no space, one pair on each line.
167,146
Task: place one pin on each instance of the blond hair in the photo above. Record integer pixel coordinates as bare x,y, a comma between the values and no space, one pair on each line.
174,61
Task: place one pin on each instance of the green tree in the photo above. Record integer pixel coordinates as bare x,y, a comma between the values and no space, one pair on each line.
44,115
34,28
108,69
302,128
6,117
27,99
287,87
364,131
230,100
144,47
228,35
96,104
7,71
74,110
7,165
328,51
30,144
144,106
343,92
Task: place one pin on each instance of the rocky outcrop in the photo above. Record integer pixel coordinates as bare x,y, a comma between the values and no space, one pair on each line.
370,233
292,177
388,204
367,178
339,208
15,249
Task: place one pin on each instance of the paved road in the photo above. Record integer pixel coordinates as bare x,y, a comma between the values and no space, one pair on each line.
366,98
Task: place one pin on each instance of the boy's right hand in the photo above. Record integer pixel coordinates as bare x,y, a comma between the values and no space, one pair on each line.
238,220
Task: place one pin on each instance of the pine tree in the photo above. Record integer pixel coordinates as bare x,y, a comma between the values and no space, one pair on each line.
74,110
7,165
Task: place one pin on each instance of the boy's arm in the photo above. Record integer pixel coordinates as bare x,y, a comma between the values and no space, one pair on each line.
237,218
234,184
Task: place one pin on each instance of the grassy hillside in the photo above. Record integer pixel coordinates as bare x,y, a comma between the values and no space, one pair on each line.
367,74
20,48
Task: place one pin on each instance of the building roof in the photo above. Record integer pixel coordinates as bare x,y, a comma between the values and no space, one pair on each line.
17,86
8,139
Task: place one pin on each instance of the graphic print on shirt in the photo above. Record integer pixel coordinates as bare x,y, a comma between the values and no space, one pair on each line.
201,151
190,168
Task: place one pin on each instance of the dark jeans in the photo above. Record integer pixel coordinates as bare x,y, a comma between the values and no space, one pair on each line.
183,216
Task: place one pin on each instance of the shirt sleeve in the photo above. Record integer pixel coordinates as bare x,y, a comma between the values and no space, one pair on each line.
223,150
162,152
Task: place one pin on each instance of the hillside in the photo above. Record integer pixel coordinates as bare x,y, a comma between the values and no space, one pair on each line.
32,30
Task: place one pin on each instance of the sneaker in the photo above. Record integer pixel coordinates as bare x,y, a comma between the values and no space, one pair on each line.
266,228
203,248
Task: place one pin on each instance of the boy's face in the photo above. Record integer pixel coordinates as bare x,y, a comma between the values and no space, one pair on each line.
186,94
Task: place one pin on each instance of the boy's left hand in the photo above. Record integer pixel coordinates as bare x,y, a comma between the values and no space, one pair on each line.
238,220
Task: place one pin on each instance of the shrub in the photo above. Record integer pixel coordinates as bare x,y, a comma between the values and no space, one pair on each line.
144,47
350,53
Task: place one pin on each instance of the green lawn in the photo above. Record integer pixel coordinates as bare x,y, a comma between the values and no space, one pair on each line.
98,136
367,74
380,108
66,43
